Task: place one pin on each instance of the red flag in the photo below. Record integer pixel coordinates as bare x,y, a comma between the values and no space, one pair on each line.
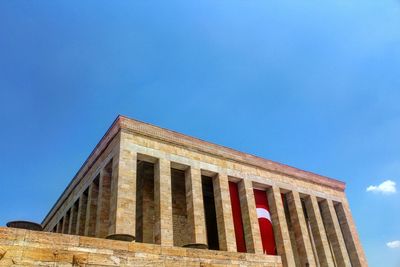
265,223
237,217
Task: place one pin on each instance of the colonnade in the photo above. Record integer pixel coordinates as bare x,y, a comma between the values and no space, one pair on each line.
308,230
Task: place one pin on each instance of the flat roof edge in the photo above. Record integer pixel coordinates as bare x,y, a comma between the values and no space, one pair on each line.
226,152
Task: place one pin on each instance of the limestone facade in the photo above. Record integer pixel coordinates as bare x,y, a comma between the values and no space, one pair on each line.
20,247
160,186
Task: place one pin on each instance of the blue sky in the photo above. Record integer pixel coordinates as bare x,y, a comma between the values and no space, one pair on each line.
315,85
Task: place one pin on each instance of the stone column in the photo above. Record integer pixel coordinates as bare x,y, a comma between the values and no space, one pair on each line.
103,204
163,227
334,233
353,244
300,229
226,231
123,189
249,217
62,225
66,222
72,220
59,227
80,224
318,231
281,230
195,206
91,209
71,215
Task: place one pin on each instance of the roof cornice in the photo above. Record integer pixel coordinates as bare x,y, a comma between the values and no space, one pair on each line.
227,153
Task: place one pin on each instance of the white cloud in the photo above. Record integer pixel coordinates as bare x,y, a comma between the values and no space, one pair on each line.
387,187
393,244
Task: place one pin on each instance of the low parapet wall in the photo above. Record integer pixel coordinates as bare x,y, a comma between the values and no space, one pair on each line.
20,247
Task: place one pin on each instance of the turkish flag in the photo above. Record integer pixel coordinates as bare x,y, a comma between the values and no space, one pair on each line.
237,217
264,220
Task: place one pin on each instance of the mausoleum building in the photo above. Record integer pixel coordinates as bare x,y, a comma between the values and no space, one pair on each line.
187,202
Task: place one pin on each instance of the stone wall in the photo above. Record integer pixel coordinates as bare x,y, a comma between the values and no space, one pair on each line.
30,248
179,213
145,203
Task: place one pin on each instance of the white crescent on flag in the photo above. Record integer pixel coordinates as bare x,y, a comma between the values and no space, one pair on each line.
263,213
